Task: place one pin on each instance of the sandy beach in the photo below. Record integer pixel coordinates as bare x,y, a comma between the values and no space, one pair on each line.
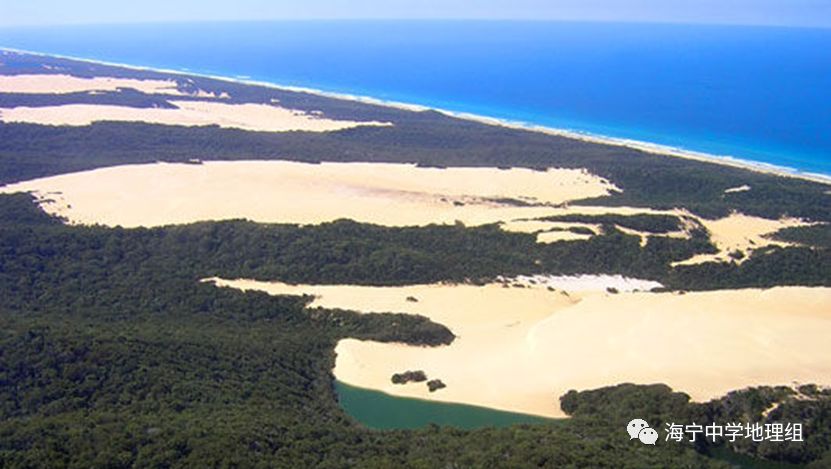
519,349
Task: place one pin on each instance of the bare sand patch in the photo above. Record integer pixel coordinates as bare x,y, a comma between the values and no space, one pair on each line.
291,192
551,231
253,117
554,231
733,190
645,235
520,349
582,283
57,84
739,233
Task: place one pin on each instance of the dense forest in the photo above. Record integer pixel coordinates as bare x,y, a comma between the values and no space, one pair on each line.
114,354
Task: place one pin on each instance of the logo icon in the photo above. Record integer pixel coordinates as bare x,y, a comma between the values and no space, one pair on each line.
640,429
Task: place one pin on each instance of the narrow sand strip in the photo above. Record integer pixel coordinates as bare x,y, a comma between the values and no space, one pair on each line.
252,117
519,349
61,84
551,231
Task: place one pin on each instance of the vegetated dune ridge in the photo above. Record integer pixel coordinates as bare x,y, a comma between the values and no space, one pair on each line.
520,349
249,116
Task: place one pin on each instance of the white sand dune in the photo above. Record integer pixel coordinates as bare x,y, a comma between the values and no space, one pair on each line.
537,226
733,190
291,192
551,231
253,117
519,349
582,283
61,84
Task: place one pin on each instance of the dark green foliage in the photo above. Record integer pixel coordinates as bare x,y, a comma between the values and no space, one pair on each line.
656,403
417,376
435,384
659,406
19,209
765,268
646,223
818,236
810,406
581,230
736,255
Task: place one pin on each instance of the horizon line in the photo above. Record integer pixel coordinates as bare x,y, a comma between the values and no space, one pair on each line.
414,20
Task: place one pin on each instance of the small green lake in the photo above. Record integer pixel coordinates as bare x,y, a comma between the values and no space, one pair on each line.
381,411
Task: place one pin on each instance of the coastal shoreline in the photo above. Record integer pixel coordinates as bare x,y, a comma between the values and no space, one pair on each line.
647,147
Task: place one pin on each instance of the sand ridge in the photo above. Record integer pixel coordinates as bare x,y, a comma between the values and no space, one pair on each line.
248,116
519,349
63,84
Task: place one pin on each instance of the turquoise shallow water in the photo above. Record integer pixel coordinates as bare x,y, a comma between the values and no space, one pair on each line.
383,412
755,93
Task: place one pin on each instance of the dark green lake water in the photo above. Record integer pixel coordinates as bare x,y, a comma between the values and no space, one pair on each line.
384,412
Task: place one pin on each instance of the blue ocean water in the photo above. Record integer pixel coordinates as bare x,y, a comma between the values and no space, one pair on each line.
756,93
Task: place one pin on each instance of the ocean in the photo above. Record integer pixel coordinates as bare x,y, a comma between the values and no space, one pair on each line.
754,93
